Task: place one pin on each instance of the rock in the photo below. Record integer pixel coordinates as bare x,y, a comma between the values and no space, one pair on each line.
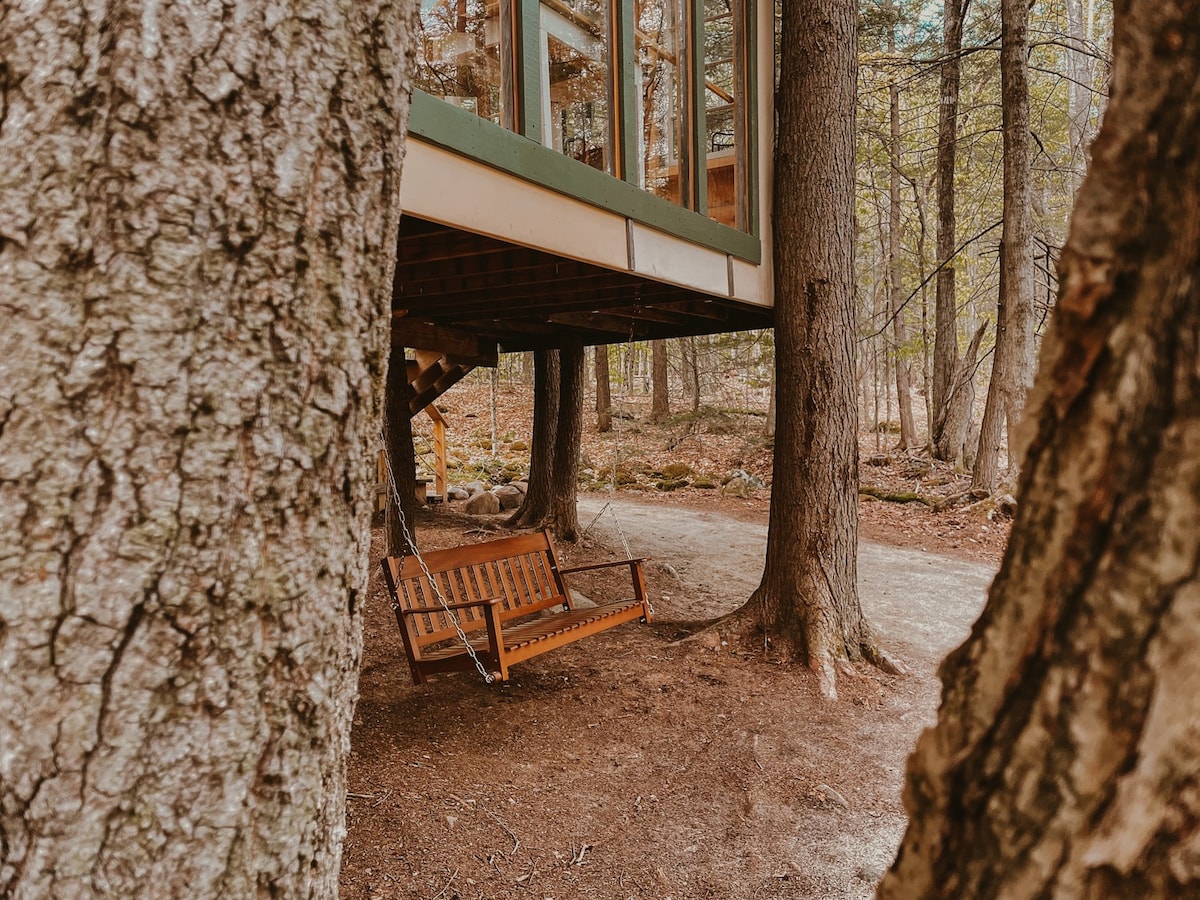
522,486
740,484
509,496
474,487
483,503
457,493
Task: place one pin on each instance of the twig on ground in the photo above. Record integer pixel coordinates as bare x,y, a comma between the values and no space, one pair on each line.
446,887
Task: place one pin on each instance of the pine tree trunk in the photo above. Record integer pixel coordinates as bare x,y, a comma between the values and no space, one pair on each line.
808,597
660,404
908,428
603,391
1065,761
1012,364
537,507
568,440
198,220
952,417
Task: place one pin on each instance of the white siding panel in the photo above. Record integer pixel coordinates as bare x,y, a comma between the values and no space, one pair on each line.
749,283
671,259
447,188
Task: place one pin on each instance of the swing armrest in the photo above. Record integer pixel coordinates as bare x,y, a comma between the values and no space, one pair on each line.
604,565
470,604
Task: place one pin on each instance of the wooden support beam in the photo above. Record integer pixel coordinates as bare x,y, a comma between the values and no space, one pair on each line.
427,336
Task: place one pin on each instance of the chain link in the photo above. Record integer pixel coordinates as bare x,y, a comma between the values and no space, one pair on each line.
487,676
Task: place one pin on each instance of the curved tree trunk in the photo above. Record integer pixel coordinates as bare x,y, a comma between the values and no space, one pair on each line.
198,217
536,508
1065,762
809,597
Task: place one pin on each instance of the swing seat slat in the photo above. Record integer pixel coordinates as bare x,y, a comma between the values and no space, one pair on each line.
501,593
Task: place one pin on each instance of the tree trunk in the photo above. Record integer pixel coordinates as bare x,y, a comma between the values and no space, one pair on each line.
398,433
536,509
1012,363
908,428
568,440
660,404
1065,762
603,391
947,441
692,365
808,597
1080,66
198,220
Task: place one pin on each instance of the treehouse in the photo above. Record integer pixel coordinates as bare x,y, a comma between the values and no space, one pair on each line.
582,170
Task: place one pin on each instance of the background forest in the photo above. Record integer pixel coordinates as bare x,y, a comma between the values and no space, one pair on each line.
908,50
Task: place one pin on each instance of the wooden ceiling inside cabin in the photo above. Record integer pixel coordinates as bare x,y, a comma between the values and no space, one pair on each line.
464,293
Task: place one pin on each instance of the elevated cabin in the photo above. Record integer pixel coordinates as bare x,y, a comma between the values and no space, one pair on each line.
591,170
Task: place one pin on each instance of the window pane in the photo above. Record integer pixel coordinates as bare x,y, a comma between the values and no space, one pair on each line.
659,119
724,127
461,56
575,81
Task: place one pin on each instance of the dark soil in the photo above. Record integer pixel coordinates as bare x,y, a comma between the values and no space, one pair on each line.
650,761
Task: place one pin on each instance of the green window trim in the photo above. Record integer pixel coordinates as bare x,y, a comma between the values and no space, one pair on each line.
463,132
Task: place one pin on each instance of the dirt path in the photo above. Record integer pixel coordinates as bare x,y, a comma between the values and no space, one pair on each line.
634,765
921,602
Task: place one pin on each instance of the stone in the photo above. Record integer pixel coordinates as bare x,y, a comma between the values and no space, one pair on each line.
484,503
522,486
741,484
457,493
509,496
474,487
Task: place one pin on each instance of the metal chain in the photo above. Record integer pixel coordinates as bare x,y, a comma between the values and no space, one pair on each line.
487,676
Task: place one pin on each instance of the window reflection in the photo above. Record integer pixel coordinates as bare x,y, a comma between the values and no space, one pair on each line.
656,76
460,57
575,80
724,138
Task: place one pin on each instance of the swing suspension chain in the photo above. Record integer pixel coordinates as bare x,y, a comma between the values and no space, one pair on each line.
437,591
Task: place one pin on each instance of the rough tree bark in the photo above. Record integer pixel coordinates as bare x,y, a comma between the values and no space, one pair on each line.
908,427
535,510
568,441
808,598
1012,363
198,219
401,458
952,409
1065,762
660,402
603,390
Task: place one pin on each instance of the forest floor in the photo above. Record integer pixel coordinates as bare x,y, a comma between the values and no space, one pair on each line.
665,761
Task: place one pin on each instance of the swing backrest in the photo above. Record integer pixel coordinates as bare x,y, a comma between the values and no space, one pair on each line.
523,571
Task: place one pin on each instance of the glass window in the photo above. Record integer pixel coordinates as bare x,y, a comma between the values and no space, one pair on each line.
724,125
576,82
460,59
659,117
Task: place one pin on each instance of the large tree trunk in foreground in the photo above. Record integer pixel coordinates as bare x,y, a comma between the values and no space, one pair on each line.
198,217
1012,365
808,598
537,507
1065,762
